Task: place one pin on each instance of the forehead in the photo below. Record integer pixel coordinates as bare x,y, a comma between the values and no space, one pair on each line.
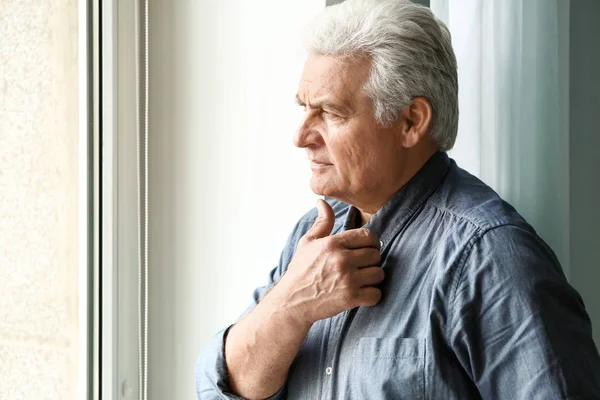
332,76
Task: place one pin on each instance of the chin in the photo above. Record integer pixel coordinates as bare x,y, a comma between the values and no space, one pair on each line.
322,188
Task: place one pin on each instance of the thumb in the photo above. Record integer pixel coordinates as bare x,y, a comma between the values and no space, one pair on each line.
324,223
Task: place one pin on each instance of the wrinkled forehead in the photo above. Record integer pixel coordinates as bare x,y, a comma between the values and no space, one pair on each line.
333,76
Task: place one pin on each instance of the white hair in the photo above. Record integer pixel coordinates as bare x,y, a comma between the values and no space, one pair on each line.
411,55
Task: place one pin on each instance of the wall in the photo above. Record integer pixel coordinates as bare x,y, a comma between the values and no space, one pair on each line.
584,161
38,199
226,183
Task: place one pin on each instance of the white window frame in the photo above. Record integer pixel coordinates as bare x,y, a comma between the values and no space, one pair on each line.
119,266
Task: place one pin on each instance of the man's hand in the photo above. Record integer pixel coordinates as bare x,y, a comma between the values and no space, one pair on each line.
331,274
328,274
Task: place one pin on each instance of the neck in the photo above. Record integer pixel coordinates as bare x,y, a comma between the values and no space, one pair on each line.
413,163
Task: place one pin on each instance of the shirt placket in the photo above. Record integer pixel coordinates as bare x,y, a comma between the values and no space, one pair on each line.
331,364
334,336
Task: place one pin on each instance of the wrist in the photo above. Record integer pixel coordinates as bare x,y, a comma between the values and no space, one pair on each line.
280,304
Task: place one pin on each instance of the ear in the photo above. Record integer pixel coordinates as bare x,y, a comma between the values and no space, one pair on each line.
416,118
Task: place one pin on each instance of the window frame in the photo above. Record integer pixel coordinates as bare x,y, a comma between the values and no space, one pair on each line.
118,273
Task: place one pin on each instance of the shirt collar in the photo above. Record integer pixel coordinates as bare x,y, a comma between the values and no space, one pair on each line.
389,220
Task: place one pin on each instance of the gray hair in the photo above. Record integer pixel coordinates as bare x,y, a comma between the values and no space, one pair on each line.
411,55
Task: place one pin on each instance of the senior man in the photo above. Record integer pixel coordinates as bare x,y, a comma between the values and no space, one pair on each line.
415,280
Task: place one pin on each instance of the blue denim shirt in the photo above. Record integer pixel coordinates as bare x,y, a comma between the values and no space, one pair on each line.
475,305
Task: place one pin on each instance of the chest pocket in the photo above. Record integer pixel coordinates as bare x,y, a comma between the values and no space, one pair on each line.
388,368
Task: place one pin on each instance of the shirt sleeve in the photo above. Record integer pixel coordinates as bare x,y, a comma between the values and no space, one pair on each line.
211,375
517,327
212,381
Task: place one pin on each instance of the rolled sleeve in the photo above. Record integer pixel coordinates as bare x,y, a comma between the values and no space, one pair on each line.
211,369
212,381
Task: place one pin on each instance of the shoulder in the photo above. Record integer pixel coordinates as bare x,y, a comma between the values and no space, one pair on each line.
501,244
513,251
468,198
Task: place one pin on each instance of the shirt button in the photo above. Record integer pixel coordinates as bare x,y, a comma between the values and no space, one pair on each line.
381,244
328,370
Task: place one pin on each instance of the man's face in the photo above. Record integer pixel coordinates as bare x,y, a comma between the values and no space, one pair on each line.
351,156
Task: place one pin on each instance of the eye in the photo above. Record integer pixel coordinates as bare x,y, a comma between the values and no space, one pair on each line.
329,114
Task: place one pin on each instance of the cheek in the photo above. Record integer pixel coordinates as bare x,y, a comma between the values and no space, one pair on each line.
358,149
360,155
346,156
365,161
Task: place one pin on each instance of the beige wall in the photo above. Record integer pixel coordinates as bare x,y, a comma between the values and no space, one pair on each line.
38,199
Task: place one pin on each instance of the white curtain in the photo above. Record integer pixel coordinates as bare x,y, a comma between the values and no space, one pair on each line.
513,94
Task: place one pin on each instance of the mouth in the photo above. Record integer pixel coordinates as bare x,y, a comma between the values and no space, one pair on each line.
317,165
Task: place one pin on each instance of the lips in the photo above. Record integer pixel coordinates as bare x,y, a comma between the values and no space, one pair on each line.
319,162
319,166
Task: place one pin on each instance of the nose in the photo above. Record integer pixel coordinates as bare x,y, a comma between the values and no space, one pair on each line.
307,134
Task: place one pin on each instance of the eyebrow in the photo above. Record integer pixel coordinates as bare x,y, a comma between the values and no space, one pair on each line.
323,103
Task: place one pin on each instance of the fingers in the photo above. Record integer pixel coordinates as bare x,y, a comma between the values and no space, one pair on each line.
360,258
369,276
357,238
369,296
323,224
